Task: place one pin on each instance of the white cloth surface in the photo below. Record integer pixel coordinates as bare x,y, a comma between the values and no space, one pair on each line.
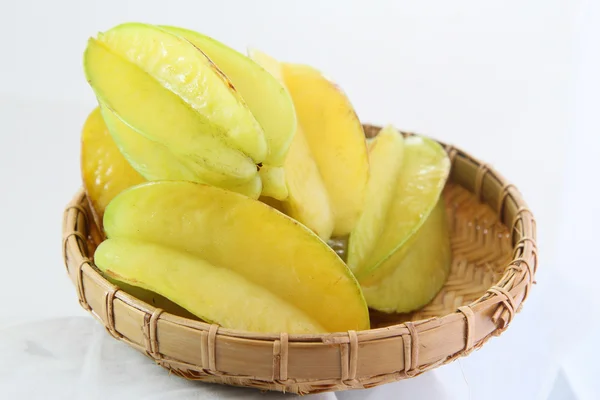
514,83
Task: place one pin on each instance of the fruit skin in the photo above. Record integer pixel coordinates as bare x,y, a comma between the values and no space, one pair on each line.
336,140
213,293
267,99
222,228
418,271
104,171
386,153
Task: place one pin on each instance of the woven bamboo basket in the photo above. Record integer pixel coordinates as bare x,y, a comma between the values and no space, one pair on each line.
493,237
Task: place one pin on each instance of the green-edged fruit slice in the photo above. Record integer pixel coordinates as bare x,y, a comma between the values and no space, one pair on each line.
399,266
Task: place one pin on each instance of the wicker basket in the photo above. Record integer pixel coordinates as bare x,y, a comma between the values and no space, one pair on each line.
494,262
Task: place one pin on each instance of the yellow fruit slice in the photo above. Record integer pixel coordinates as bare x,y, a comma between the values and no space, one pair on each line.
307,200
417,272
182,69
208,291
265,96
247,237
385,153
336,141
104,171
160,115
155,161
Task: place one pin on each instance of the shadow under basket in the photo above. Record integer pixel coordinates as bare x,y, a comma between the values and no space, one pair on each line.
494,261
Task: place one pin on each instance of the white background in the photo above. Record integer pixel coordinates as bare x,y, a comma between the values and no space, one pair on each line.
513,82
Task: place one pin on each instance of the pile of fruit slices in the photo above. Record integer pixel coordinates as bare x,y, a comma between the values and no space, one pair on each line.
218,179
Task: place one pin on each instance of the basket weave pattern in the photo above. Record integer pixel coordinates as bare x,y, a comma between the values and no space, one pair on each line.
494,263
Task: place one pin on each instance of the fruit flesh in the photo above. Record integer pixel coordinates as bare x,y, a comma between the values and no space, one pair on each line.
265,96
156,113
221,228
386,154
210,292
184,70
418,271
336,141
105,172
422,177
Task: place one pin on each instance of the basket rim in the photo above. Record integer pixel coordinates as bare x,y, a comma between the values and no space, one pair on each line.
504,298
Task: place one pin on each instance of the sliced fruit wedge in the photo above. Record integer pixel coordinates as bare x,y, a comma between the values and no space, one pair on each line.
211,230
327,165
336,140
384,248
265,96
386,153
105,172
419,184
